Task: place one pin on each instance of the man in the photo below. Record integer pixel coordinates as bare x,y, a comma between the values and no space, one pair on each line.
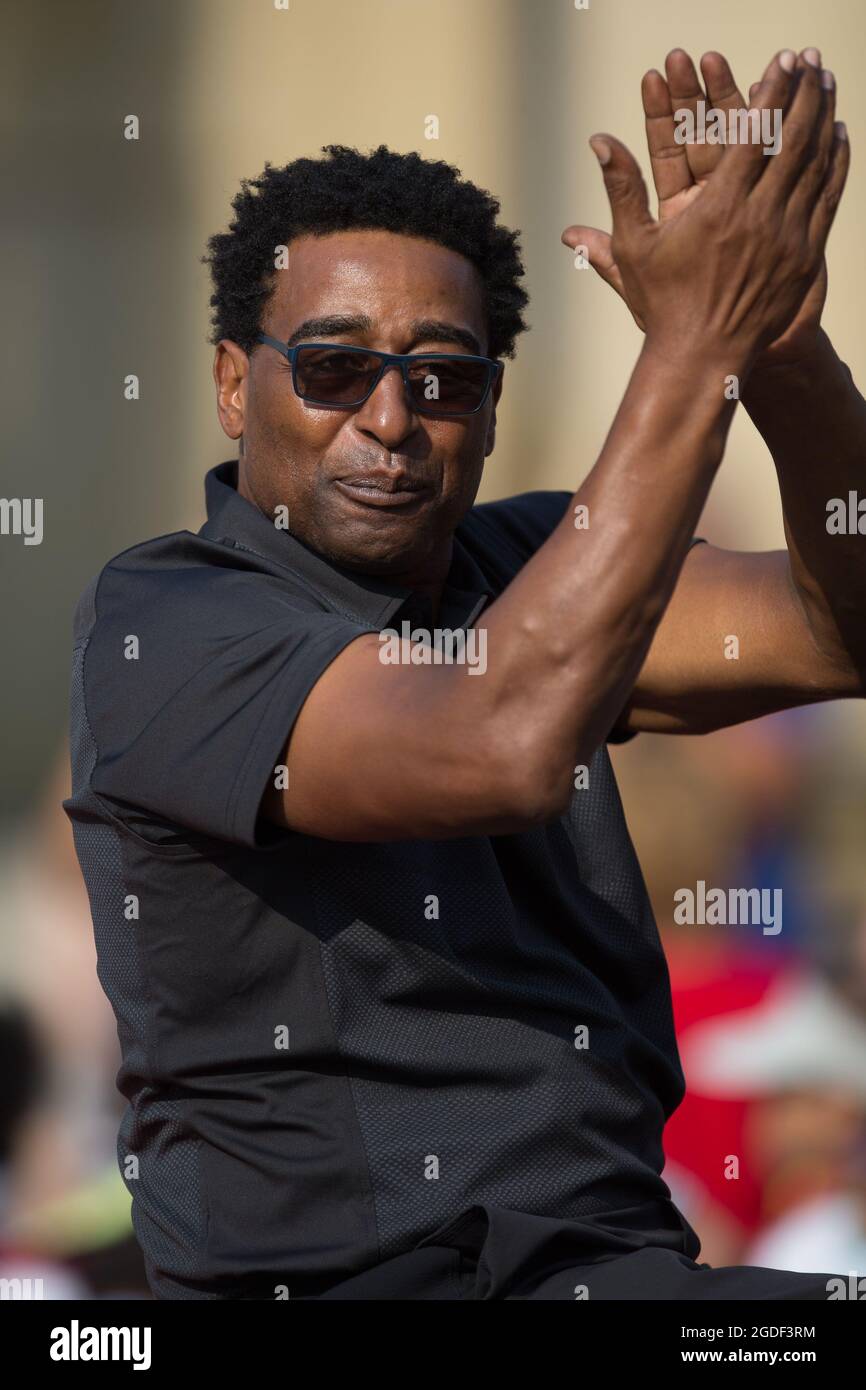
394,1012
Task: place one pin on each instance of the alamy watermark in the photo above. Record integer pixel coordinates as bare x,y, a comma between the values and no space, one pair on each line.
739,126
22,516
443,646
77,1343
732,907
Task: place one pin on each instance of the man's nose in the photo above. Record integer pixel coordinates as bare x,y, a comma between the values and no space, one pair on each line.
387,413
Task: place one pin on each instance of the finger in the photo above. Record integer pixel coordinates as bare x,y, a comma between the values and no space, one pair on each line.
831,193
815,173
668,156
626,190
723,95
598,251
722,90
744,160
799,127
595,243
686,91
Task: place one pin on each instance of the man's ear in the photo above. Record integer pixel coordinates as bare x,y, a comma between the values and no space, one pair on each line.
231,368
491,428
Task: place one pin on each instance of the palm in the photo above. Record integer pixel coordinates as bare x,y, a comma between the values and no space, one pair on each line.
671,207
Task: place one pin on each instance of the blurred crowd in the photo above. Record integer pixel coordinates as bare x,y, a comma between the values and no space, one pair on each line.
766,1157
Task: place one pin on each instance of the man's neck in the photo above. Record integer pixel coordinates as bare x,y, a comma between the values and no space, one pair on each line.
427,582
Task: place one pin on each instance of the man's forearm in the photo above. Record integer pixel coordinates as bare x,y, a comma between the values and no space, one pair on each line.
813,420
571,631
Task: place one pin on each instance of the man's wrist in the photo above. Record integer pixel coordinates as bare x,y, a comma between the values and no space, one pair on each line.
701,357
705,376
771,380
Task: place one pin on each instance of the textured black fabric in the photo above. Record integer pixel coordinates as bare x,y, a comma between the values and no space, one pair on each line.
331,1051
490,1255
156,1151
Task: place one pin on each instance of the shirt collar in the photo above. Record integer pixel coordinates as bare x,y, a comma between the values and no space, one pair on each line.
234,520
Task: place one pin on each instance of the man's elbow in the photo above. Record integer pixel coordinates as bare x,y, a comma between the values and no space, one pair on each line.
529,788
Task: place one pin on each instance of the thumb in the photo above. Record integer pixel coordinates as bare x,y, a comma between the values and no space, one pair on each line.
626,190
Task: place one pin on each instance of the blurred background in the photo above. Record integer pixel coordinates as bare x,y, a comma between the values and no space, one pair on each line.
102,239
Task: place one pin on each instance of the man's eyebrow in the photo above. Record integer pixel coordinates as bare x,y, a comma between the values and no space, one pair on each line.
330,326
423,330
435,330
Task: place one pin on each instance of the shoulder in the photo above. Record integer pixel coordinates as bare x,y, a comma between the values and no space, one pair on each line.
513,528
183,581
183,612
193,659
131,572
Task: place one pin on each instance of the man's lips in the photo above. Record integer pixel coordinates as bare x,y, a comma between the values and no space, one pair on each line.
372,491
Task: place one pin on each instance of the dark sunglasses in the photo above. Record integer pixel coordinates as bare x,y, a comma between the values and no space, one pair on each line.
437,383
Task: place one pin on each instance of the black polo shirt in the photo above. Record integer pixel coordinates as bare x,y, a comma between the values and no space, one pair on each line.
333,1051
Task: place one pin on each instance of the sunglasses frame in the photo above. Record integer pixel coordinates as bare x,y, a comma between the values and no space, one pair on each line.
400,359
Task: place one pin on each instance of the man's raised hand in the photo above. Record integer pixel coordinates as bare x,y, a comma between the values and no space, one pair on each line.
812,173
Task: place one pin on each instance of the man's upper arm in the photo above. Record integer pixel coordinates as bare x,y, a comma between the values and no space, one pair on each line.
393,751
733,644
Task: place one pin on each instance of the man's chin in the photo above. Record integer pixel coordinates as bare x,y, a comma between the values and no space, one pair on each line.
387,562
378,539
388,551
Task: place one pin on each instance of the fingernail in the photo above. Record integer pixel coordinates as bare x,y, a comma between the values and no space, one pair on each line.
787,59
812,56
841,130
601,149
828,81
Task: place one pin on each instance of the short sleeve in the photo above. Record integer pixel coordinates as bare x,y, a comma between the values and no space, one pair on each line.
623,735
192,684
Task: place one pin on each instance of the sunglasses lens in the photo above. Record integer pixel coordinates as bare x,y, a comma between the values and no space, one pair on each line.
447,386
335,378
438,385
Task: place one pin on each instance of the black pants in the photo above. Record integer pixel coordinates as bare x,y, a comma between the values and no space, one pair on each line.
443,1272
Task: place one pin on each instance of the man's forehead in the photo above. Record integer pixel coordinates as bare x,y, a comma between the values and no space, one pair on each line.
377,272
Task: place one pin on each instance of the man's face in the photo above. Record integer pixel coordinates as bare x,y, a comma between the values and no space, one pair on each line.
414,296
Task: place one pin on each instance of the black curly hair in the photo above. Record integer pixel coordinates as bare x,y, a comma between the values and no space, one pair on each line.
394,192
